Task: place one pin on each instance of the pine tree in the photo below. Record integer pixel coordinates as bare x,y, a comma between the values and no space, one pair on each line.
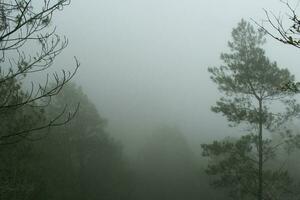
251,84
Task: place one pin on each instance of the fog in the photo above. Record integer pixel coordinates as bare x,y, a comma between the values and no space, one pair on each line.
145,128
145,62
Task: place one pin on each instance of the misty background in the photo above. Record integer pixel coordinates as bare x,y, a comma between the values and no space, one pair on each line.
144,63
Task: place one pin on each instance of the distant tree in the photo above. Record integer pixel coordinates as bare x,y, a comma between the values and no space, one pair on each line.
166,168
250,82
80,160
28,47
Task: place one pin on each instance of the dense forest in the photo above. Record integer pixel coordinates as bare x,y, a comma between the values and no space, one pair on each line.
55,144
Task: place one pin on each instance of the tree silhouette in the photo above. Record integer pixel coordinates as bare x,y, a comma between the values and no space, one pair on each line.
29,46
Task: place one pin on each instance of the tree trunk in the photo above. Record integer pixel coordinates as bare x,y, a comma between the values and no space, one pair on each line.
260,154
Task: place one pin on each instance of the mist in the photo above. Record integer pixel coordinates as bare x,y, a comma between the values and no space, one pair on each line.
136,119
145,62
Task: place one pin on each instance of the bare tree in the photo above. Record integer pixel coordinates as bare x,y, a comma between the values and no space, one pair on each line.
285,33
29,45
285,29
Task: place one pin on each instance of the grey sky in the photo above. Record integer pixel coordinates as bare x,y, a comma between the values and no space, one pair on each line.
145,61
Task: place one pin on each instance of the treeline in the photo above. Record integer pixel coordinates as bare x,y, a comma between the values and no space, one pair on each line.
80,160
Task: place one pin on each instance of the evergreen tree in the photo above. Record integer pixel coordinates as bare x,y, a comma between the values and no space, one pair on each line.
251,84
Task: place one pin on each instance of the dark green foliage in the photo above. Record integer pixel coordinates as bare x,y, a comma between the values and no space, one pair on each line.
17,180
17,172
16,119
